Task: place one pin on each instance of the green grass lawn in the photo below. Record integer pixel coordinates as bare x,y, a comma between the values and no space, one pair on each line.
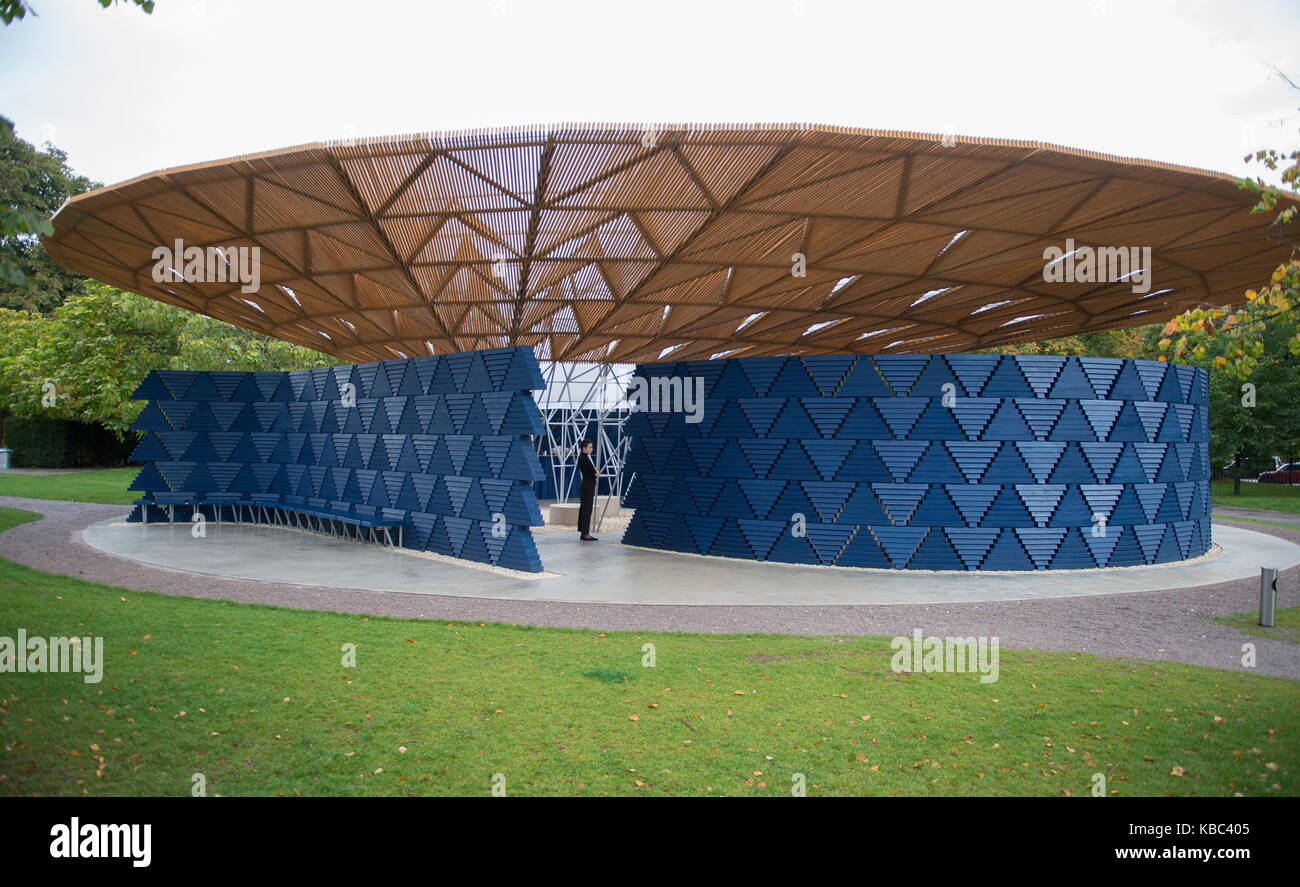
108,486
1267,497
256,698
1286,623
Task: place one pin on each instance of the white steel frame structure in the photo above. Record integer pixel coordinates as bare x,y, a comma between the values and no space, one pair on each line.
584,401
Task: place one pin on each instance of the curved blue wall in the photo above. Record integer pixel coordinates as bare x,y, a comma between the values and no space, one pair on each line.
1031,463
444,442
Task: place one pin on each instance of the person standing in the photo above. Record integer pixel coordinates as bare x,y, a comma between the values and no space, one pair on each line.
586,491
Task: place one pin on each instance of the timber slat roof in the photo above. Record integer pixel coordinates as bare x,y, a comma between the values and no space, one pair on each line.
617,243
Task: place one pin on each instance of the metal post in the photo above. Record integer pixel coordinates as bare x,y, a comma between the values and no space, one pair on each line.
1267,596
602,379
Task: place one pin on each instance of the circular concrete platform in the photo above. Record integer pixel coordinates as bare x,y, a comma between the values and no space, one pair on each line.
608,572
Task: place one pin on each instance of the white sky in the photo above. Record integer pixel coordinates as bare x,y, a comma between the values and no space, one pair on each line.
125,93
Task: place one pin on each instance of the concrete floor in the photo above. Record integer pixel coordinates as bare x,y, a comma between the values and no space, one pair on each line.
608,572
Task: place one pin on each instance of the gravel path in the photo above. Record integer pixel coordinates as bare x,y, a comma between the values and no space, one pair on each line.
1255,514
1165,625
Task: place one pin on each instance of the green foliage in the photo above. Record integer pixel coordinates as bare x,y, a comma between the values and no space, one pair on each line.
1250,434
17,328
1130,343
16,10
60,443
1254,434
33,185
146,5
85,358
12,11
14,224
1239,330
204,343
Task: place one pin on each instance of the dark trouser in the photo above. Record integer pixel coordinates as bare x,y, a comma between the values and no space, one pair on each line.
587,491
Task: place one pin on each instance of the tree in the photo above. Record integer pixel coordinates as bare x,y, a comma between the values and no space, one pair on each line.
204,343
1253,421
15,333
1133,342
33,185
28,184
91,352
84,359
1240,329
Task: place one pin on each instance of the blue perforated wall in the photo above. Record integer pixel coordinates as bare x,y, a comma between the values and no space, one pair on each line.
445,441
1031,462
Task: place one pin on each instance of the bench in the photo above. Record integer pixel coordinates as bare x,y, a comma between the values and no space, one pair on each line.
315,515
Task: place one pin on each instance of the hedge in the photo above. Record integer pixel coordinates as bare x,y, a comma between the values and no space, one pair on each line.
61,443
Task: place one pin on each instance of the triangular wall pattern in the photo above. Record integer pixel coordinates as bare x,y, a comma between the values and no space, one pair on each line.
443,444
959,462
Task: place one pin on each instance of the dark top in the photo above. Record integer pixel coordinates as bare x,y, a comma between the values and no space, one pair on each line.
587,467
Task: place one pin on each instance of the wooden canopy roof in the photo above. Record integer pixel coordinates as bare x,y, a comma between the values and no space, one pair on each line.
615,243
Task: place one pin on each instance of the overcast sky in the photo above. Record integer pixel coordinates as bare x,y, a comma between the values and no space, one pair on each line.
126,93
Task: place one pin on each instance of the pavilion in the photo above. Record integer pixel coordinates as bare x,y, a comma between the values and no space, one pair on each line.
836,274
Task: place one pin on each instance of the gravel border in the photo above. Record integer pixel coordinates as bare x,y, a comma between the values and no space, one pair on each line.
1171,625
